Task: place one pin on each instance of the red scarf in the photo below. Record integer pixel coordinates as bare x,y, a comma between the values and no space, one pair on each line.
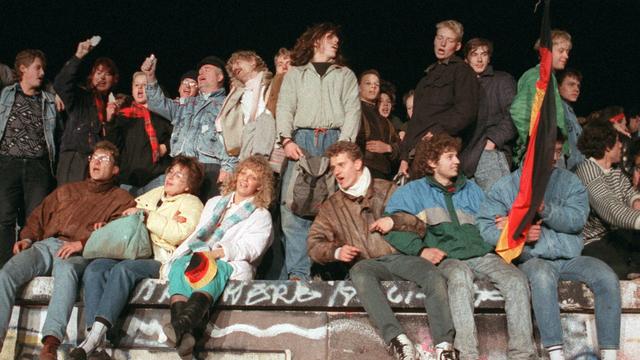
138,111
101,109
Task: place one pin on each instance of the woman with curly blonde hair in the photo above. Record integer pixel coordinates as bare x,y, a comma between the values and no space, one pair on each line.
228,243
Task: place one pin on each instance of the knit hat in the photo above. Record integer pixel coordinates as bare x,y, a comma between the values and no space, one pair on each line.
191,74
201,269
215,61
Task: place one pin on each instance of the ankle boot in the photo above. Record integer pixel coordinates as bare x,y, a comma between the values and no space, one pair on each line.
175,329
50,348
192,315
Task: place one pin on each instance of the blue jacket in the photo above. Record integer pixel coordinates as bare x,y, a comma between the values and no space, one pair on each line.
566,207
49,113
194,129
574,130
450,215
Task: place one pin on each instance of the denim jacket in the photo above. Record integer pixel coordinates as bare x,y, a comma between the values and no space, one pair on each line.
49,114
566,207
194,129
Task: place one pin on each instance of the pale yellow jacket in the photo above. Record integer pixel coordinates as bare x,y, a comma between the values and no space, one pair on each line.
166,232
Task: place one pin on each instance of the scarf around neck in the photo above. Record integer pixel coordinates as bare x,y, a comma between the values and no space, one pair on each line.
218,224
361,186
137,111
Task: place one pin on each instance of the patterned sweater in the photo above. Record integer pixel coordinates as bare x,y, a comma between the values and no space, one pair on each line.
611,196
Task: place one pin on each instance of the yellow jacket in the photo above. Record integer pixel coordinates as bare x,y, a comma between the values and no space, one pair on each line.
165,230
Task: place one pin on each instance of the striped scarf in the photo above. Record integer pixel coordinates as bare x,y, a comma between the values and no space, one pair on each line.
215,228
137,111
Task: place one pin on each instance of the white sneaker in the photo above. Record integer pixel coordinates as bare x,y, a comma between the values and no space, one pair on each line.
402,348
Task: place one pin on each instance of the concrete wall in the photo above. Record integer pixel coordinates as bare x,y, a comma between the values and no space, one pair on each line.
316,320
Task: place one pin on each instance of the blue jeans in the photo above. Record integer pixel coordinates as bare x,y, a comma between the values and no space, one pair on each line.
23,185
40,260
108,284
295,229
543,278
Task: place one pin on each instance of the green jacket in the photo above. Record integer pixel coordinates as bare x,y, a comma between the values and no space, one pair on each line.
449,214
521,110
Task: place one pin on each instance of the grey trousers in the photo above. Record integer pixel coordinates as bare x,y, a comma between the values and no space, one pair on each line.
366,276
491,167
514,287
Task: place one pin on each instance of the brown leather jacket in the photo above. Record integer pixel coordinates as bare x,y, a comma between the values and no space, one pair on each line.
70,211
345,220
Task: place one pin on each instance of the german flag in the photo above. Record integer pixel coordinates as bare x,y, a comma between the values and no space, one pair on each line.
538,160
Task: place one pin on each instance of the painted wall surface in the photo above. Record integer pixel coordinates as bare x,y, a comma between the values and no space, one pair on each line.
317,320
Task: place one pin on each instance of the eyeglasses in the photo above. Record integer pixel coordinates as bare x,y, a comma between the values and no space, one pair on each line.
189,83
102,159
177,174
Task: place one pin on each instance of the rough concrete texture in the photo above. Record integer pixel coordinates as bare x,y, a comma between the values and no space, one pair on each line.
316,320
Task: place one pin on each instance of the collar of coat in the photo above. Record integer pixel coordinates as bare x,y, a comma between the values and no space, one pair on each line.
458,184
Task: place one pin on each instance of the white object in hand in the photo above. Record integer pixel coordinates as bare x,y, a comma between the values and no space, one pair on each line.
112,98
95,40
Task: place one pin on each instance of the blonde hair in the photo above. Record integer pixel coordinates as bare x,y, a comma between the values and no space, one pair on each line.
452,25
246,55
136,74
556,37
261,167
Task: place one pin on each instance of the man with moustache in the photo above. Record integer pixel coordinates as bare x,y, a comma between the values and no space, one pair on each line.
194,129
27,149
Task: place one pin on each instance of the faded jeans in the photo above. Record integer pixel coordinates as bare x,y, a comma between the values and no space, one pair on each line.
513,286
40,260
108,284
294,228
491,167
544,276
366,276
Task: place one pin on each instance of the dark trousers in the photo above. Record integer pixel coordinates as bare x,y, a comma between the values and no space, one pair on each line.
209,186
619,249
23,185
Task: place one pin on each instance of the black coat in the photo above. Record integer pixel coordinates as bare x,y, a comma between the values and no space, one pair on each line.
445,101
494,120
82,129
136,164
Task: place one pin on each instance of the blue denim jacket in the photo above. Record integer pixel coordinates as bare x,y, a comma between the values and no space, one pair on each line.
574,130
49,114
194,129
566,207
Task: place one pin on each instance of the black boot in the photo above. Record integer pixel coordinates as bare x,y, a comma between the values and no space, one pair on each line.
175,329
191,317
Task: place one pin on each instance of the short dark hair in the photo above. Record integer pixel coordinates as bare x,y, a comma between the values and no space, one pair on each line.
475,43
596,137
568,72
387,87
27,57
109,147
369,72
344,147
431,150
195,168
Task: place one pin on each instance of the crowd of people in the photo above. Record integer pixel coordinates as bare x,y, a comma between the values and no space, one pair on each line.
315,158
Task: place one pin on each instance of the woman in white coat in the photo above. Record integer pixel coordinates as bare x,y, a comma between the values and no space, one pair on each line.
228,243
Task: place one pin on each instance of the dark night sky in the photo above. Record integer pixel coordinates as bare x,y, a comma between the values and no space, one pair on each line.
394,37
